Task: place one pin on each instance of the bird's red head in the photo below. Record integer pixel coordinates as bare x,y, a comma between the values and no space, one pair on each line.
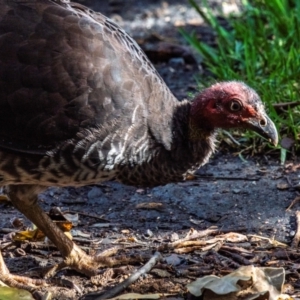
231,105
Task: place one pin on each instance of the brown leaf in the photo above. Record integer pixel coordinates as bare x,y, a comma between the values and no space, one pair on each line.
282,186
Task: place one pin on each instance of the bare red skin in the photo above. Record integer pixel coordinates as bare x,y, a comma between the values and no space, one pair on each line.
211,108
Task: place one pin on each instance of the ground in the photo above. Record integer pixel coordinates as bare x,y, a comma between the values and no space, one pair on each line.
248,196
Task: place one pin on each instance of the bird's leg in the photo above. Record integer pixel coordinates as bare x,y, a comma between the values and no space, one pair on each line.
24,198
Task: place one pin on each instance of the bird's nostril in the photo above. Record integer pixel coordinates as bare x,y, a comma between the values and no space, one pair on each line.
263,122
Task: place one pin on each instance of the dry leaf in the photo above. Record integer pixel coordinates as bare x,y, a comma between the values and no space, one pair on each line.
73,218
76,232
150,205
282,186
256,238
247,283
233,237
221,286
8,293
37,235
65,226
29,235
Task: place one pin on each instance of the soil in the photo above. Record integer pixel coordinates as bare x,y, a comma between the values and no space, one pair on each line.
228,194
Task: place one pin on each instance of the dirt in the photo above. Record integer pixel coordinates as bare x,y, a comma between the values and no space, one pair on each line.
229,194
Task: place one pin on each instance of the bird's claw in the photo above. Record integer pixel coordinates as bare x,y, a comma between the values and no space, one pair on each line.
22,282
88,265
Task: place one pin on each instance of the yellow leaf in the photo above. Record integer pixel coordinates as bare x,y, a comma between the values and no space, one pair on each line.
38,235
8,293
29,235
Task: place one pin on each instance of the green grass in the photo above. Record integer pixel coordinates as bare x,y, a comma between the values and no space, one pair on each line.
262,48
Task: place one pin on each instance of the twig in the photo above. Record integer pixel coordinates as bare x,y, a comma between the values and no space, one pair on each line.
241,251
227,230
87,215
289,181
296,238
273,242
185,250
192,244
192,236
109,252
231,138
297,199
236,257
8,230
285,105
197,235
221,258
211,177
123,285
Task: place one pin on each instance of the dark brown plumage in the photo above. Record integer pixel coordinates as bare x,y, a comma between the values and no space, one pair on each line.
80,103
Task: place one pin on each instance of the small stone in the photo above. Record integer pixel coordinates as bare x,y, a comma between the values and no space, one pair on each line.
140,191
216,196
174,237
176,62
17,222
161,273
173,260
94,193
287,143
149,233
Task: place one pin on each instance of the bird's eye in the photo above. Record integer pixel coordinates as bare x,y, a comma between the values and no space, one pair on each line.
235,105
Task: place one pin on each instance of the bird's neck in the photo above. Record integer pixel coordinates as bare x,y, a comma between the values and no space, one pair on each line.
193,119
200,121
197,133
189,148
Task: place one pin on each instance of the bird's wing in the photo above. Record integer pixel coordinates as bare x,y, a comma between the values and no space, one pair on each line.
63,70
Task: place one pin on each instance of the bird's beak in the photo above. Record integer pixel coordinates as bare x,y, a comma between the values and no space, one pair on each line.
265,127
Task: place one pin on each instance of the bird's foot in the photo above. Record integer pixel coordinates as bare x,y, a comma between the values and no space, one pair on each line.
88,265
16,281
21,282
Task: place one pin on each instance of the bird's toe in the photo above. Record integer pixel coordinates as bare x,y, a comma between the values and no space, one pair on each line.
89,265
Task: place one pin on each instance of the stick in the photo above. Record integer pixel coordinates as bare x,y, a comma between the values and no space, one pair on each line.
212,177
192,236
236,257
123,285
296,238
197,235
87,215
297,199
